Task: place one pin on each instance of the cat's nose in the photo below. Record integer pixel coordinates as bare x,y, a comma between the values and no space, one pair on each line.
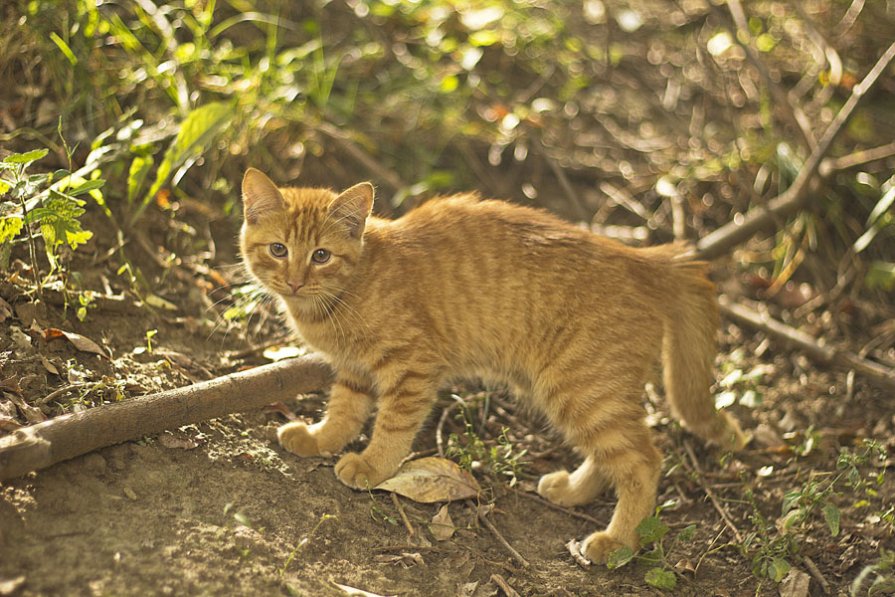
295,286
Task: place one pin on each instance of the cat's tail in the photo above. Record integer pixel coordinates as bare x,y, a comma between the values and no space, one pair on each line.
691,322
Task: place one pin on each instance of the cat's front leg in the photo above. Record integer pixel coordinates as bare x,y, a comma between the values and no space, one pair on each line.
403,407
349,407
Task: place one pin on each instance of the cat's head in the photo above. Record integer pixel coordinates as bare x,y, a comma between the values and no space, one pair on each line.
302,243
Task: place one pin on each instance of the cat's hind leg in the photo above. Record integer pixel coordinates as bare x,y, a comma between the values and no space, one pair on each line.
607,426
580,487
349,408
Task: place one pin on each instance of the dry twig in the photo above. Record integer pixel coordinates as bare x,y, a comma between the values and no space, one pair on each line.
711,494
876,373
411,532
482,516
504,585
740,229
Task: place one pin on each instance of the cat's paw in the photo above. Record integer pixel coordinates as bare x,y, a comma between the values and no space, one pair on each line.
554,487
356,471
599,546
299,439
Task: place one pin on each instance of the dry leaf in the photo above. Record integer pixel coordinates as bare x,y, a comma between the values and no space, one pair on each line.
442,526
358,592
405,559
10,586
20,339
574,547
5,310
82,343
50,367
432,479
153,300
795,584
31,414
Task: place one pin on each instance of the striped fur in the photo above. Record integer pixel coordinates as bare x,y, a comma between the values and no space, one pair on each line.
463,287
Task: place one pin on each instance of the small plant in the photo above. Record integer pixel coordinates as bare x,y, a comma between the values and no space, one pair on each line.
652,532
40,206
498,457
303,542
773,545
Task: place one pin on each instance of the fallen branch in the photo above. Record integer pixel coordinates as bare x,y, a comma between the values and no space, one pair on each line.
67,436
828,355
740,229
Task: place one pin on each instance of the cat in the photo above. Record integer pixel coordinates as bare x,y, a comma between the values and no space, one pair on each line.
463,287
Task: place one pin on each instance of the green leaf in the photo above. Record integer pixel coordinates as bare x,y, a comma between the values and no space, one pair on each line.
686,535
136,176
661,579
777,569
86,187
64,48
651,530
619,557
58,218
881,274
10,226
832,515
26,158
196,132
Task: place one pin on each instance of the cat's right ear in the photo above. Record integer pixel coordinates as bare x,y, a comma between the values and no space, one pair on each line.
259,195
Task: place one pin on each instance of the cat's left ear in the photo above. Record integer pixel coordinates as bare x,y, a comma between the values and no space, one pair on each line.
353,206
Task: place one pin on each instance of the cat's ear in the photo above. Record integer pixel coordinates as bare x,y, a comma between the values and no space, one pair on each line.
353,206
259,195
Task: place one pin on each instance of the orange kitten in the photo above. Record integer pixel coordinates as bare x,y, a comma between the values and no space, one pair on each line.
466,288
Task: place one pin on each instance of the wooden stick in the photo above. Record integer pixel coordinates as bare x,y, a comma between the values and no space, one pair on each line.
411,532
711,494
504,586
480,513
875,373
791,200
67,436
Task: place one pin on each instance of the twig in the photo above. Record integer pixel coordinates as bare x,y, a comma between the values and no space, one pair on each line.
817,574
59,392
480,513
557,507
876,373
858,158
711,494
504,585
411,532
738,230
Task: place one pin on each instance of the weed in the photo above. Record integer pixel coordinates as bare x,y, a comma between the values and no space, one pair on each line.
652,532
498,457
773,545
303,542
38,208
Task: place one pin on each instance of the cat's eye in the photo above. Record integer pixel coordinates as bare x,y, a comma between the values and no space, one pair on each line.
278,250
320,256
